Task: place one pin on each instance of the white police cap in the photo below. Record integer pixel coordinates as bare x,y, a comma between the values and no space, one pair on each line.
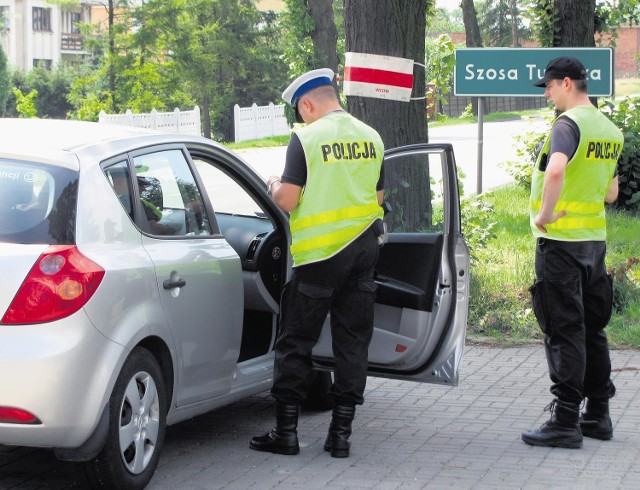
305,83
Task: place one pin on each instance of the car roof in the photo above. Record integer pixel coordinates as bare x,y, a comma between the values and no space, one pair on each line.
63,134
58,141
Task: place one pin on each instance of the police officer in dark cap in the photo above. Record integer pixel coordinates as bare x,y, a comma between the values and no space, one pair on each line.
575,174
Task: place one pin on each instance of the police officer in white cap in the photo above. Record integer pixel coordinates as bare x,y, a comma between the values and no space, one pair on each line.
332,186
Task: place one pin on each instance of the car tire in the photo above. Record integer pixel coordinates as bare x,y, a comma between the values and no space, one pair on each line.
318,399
137,426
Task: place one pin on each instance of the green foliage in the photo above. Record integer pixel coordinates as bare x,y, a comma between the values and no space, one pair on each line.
25,104
503,270
527,147
467,113
53,87
171,54
440,63
625,283
611,14
477,224
5,81
500,305
626,115
495,20
89,94
444,21
299,54
542,16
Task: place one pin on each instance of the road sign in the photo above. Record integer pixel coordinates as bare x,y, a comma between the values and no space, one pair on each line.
512,71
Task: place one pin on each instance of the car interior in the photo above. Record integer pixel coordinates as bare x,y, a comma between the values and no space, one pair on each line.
407,273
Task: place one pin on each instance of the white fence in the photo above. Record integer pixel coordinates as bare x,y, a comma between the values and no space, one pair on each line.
187,122
256,122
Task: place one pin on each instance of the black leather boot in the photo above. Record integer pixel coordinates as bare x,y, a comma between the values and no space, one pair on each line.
561,430
595,421
283,438
339,431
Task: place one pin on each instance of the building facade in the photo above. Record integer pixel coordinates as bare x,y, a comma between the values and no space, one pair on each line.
37,33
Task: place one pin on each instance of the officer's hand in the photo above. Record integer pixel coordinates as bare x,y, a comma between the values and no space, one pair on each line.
540,221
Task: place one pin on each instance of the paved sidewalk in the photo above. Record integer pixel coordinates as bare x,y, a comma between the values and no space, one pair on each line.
406,436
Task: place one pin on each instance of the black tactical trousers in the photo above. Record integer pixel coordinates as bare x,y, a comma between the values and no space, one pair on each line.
343,286
572,300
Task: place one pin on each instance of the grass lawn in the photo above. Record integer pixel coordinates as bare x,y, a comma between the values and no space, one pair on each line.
500,306
627,86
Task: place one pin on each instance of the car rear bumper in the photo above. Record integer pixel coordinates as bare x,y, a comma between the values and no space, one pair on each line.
61,372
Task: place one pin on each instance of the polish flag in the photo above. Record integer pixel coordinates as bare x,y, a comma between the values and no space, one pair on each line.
381,77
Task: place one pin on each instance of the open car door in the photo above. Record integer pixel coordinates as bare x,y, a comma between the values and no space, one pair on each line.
422,274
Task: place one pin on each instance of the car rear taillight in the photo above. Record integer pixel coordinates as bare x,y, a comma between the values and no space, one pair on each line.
60,283
11,415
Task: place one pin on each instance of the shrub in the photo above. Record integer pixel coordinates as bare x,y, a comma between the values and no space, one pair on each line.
527,146
626,115
477,223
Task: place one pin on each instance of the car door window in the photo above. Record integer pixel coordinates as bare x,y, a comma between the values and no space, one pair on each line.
226,195
414,192
170,199
118,176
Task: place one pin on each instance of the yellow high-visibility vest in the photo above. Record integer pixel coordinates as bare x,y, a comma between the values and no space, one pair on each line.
339,200
587,179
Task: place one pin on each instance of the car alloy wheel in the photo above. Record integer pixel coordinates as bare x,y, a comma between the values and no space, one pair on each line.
137,426
139,421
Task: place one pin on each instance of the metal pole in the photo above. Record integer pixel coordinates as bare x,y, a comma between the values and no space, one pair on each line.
480,131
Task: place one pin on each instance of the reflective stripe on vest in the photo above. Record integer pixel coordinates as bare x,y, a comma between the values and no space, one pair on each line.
334,215
327,240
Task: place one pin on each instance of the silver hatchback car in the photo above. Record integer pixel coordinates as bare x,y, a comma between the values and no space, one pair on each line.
142,274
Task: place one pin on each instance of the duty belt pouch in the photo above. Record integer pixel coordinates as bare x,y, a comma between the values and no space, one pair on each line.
379,227
536,302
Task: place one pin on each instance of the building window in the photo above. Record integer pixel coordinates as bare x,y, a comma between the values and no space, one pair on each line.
40,63
76,18
4,18
41,19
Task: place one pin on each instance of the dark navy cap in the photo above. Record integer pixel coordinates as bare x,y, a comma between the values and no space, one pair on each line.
561,68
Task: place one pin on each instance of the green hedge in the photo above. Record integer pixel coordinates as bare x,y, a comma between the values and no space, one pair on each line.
626,115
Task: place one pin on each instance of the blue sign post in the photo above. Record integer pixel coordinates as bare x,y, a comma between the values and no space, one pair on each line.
512,71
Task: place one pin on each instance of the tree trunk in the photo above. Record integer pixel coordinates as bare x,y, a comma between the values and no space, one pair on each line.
574,24
472,30
111,71
515,42
325,34
395,28
471,27
206,117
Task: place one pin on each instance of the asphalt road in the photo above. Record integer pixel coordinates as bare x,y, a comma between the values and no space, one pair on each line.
497,147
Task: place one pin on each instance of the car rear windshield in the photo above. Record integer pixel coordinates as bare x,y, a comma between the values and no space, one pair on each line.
37,203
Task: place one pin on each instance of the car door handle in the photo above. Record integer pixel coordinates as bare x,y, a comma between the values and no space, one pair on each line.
173,283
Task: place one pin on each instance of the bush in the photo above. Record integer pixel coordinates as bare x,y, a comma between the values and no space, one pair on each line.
477,223
626,115
527,147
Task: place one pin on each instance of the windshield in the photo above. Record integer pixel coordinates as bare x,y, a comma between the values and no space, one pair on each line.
37,203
